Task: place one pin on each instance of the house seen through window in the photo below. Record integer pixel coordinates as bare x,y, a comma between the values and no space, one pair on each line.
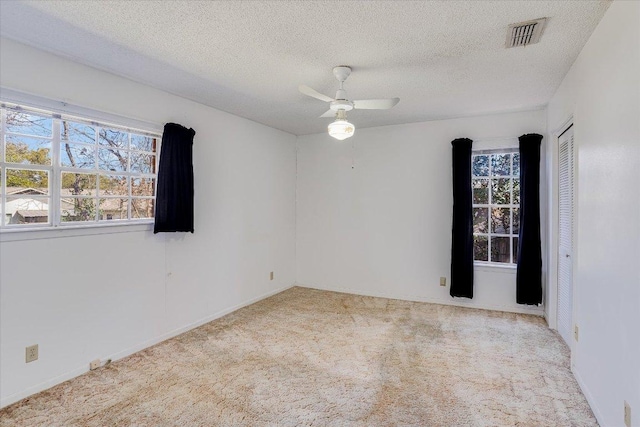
496,206
57,170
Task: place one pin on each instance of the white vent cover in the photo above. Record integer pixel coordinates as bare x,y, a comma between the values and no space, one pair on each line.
525,33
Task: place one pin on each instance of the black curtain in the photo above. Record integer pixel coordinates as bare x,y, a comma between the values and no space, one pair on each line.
174,194
529,275
462,232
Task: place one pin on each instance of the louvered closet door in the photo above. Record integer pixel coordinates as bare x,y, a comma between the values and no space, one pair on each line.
565,237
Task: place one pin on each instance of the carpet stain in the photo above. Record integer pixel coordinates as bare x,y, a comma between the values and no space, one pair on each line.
307,357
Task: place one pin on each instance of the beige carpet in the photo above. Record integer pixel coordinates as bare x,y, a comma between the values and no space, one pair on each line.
308,357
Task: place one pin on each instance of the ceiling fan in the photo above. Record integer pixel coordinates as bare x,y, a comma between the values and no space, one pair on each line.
338,106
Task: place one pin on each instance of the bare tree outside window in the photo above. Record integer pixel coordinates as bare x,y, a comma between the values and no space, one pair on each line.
103,172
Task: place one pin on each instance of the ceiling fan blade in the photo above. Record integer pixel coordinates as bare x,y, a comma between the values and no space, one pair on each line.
329,113
375,104
314,93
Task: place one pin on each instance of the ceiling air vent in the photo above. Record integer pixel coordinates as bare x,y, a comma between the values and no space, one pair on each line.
525,33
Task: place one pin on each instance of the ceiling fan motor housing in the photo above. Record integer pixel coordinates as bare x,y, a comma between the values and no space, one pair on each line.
341,104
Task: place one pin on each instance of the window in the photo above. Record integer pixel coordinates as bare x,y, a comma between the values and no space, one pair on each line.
60,170
495,182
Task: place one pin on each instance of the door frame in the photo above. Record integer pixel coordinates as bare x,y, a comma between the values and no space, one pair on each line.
554,201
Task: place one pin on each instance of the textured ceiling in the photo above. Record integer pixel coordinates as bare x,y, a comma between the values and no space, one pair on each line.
443,59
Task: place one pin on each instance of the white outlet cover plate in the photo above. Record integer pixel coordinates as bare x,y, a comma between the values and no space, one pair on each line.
31,353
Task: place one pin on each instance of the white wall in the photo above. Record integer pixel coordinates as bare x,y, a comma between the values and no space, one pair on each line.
383,226
106,295
602,93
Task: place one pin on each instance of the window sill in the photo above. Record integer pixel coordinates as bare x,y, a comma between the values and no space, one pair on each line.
37,233
493,268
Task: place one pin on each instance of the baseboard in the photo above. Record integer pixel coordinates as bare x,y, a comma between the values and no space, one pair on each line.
536,311
194,325
42,386
590,400
121,354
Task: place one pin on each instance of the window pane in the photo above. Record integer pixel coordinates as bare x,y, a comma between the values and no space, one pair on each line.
480,220
516,191
143,143
25,150
27,181
113,138
480,165
77,156
480,191
78,210
77,132
78,184
500,221
515,250
29,124
501,164
114,185
111,209
516,164
500,249
501,191
142,208
143,163
143,186
111,159
480,248
26,209
100,173
516,220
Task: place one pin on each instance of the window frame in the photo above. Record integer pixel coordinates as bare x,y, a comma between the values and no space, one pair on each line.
55,169
490,206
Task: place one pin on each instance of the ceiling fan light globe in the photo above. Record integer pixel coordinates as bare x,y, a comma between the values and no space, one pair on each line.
341,129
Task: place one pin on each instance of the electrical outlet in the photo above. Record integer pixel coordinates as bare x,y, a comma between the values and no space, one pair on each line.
94,364
443,281
271,276
627,414
31,353
575,332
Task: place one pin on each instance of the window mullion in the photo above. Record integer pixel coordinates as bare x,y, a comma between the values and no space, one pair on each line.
3,170
56,175
27,166
511,236
130,188
489,227
96,197
129,200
